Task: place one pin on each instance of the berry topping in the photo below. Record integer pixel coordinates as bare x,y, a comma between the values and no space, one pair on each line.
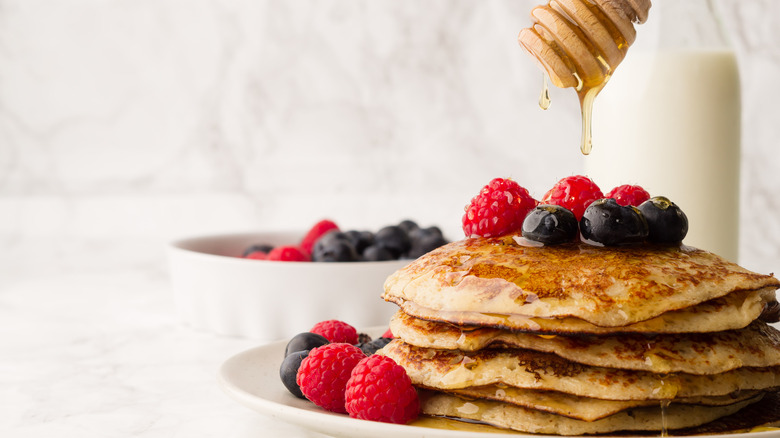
628,195
607,223
318,230
304,341
498,209
380,390
258,252
665,220
336,331
388,334
574,193
394,239
334,247
324,373
289,371
288,253
550,224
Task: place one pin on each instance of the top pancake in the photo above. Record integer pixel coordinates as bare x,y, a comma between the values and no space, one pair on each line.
608,287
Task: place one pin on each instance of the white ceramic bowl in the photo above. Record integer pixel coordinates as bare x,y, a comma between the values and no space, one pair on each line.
217,291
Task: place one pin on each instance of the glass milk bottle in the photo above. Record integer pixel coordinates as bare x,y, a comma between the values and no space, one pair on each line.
669,120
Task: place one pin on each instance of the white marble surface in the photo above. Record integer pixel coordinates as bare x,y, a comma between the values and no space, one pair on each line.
124,124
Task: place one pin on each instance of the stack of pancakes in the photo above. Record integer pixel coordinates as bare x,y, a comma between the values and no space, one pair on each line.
576,339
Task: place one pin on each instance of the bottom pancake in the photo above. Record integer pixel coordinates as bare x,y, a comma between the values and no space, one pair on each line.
580,408
509,416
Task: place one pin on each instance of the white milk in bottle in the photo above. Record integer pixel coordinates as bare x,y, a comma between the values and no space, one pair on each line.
669,120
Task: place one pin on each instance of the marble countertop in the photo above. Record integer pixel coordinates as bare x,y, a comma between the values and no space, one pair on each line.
100,354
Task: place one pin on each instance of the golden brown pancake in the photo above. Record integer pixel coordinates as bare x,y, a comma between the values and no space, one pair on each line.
506,415
607,287
757,345
580,408
734,311
446,369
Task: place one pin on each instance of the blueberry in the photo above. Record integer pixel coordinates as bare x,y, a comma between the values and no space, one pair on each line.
605,222
334,246
360,239
408,225
375,253
425,244
289,371
421,233
394,239
550,224
665,220
304,341
372,347
257,248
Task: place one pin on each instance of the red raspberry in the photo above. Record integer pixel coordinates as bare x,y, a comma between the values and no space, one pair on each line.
626,195
336,331
256,255
388,334
318,230
288,253
324,373
498,209
380,390
574,193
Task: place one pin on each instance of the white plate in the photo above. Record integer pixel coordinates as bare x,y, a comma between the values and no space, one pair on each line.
252,379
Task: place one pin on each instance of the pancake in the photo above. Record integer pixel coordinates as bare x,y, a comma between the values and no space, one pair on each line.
612,287
580,408
447,369
734,311
757,345
506,415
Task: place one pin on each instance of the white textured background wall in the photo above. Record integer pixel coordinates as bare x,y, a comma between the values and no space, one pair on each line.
126,123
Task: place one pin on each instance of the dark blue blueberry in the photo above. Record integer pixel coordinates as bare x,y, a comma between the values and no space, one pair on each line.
421,233
394,239
257,248
289,371
665,220
372,347
605,222
334,246
360,239
408,225
304,341
425,244
376,253
550,224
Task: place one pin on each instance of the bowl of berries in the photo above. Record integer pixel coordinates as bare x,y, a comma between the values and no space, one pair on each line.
266,285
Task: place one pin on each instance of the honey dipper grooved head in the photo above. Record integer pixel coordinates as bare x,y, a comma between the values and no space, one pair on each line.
579,43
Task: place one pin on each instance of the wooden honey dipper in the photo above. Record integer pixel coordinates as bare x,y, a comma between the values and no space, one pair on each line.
579,43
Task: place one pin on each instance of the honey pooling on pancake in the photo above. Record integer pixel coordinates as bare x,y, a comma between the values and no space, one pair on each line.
580,43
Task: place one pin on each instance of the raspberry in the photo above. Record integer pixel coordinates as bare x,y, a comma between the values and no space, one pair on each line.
318,230
256,255
288,253
388,334
626,195
498,209
380,390
336,331
574,193
324,373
